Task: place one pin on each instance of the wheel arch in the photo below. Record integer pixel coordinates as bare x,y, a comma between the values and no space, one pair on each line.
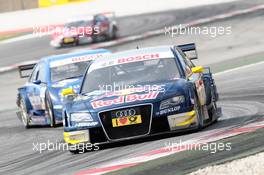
23,95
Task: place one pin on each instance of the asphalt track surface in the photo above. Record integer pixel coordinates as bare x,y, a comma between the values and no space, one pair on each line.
32,49
241,103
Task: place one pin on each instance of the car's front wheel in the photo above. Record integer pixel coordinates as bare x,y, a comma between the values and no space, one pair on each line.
49,108
24,114
74,151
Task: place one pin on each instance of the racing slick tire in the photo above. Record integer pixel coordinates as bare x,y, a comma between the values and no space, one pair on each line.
210,101
58,47
49,109
74,151
76,42
212,111
24,114
212,106
114,33
198,112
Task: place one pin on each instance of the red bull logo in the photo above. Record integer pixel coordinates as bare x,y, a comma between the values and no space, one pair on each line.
125,99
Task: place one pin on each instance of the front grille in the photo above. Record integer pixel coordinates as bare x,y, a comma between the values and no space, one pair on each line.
128,130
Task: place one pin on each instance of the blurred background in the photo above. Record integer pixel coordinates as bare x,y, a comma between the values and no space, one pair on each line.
236,59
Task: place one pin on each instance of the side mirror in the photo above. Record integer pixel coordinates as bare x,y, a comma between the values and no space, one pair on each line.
67,91
197,69
37,82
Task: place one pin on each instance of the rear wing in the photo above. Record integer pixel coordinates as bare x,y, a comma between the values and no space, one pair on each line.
25,70
189,50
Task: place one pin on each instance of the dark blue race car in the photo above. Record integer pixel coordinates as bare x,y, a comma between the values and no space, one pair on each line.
139,93
40,99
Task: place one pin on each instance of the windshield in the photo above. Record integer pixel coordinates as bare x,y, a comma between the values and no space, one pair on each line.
133,73
68,71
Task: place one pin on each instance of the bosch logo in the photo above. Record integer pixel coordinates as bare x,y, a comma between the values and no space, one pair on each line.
124,113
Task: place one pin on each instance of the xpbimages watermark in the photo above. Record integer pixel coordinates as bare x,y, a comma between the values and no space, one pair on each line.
211,31
59,30
117,87
212,147
61,146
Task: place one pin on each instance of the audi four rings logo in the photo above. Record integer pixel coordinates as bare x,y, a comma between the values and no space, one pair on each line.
127,112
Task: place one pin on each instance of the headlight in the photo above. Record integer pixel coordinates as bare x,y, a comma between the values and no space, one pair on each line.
172,102
81,117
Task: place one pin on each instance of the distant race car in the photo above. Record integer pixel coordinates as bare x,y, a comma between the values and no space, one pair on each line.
99,27
40,99
139,93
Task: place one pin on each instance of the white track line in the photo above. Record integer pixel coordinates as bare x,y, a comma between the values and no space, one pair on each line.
238,68
164,151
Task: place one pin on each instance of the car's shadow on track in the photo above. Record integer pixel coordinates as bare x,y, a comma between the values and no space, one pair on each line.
223,123
44,127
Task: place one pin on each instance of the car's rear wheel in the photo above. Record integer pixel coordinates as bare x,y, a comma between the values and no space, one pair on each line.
114,33
49,108
198,112
24,114
212,111
76,42
58,47
211,105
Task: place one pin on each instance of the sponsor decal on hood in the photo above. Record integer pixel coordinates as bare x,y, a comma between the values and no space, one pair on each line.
125,99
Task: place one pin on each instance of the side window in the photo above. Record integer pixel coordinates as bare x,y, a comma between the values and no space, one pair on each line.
41,74
34,74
